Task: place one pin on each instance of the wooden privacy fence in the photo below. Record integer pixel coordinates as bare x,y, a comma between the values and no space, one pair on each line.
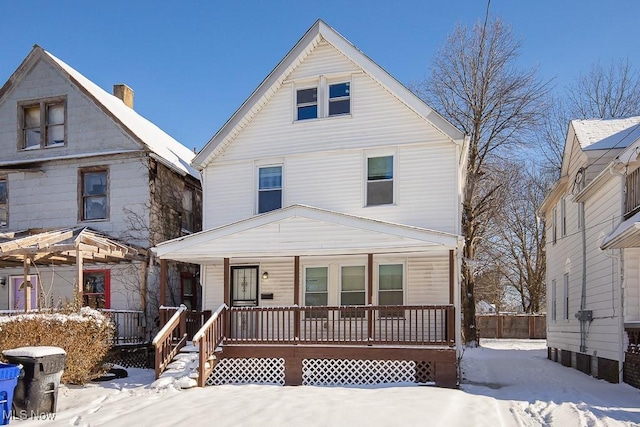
532,326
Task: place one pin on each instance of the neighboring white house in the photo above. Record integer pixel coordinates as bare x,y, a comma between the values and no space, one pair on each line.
83,178
593,251
332,185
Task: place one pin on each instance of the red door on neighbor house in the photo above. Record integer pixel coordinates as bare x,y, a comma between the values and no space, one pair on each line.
17,285
96,290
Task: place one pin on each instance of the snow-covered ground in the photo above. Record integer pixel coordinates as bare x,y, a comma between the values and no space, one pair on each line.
507,383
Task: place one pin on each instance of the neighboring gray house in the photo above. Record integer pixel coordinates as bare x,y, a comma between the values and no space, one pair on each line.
86,186
593,251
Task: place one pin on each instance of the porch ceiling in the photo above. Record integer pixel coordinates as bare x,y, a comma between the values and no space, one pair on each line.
63,246
304,231
626,235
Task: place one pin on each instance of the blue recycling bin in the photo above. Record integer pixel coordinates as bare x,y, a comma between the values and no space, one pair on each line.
8,379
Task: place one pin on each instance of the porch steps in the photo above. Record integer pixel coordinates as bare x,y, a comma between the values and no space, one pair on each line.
182,372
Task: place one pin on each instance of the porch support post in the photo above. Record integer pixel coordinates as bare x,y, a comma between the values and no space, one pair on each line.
296,296
451,277
26,284
370,294
226,283
163,281
79,273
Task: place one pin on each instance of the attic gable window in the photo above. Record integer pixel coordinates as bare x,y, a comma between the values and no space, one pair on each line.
43,123
307,103
339,99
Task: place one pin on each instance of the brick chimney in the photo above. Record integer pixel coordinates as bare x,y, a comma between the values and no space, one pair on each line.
125,93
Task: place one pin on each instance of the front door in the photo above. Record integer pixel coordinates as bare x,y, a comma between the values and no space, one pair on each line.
244,286
244,294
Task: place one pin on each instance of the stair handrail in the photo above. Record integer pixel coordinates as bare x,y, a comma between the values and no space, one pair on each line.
166,348
209,337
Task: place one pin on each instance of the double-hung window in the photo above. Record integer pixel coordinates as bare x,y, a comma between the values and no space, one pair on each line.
352,290
269,188
379,181
316,290
565,306
94,195
554,311
307,103
339,99
43,123
187,210
390,288
4,205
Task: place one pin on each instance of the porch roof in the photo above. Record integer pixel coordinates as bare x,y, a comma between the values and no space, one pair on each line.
626,235
300,230
63,246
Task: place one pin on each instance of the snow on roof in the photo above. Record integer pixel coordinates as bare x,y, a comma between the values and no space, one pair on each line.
174,154
34,352
604,134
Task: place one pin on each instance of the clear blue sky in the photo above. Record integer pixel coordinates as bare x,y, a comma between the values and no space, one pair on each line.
192,64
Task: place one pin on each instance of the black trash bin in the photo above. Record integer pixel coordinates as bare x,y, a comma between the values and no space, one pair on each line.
37,391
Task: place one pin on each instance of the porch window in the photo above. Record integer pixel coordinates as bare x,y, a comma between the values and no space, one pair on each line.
307,103
269,188
96,289
4,209
379,181
43,124
390,292
94,195
339,99
316,290
352,290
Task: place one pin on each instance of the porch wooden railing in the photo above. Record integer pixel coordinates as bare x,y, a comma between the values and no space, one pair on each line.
194,319
209,337
129,326
352,325
171,338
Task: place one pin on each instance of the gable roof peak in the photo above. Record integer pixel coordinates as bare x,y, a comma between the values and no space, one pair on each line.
320,30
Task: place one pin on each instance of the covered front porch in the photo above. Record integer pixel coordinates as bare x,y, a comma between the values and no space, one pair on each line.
308,287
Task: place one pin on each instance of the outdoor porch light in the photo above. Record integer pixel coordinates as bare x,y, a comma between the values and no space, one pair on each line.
265,275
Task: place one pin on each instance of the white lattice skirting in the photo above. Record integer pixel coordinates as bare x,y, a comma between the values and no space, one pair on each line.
248,371
345,372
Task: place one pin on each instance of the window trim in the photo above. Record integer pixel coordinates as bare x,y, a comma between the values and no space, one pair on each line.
554,237
394,179
42,103
565,305
364,290
81,195
334,82
315,86
6,203
257,184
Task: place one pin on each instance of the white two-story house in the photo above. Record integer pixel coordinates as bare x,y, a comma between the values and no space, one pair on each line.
87,185
331,217
593,251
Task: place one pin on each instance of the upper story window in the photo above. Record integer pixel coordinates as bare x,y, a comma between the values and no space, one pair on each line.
339,99
553,225
4,205
94,194
323,99
269,188
379,181
43,123
188,219
632,197
563,217
307,103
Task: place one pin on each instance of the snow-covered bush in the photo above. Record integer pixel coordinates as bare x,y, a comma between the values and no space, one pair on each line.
85,335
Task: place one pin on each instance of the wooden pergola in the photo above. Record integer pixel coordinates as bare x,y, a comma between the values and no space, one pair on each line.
67,246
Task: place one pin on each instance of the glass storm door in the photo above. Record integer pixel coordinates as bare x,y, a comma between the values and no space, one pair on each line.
244,286
18,292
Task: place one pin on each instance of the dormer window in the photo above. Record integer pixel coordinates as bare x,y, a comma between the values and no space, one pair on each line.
43,123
